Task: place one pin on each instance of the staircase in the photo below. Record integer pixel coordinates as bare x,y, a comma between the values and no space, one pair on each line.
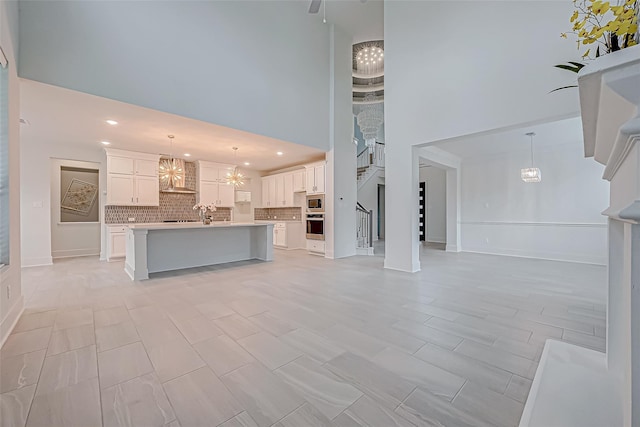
370,161
370,164
364,231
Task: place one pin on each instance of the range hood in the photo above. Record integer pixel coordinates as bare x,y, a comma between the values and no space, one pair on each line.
179,190
178,167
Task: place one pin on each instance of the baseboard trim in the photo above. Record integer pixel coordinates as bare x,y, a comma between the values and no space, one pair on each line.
436,240
414,268
17,309
549,257
36,262
72,253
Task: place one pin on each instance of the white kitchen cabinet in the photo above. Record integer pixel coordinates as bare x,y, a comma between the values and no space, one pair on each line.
212,184
287,197
315,179
132,178
243,196
147,191
226,195
116,241
215,193
120,190
280,234
269,192
278,190
299,181
288,235
120,165
316,247
146,167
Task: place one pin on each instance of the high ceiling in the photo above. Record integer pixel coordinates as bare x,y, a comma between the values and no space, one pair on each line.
55,113
77,118
568,131
363,19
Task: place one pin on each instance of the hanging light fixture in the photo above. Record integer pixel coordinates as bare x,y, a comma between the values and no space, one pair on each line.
235,178
172,170
531,174
369,119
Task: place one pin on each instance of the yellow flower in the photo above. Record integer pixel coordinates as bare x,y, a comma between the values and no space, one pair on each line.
563,35
600,8
574,16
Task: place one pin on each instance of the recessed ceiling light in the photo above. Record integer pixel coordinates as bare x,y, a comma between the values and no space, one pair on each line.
112,122
247,163
279,153
105,143
187,155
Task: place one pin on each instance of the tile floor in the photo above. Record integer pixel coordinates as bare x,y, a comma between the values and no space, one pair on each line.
301,341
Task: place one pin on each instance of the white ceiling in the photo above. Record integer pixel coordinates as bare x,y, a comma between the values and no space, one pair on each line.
79,119
568,131
363,19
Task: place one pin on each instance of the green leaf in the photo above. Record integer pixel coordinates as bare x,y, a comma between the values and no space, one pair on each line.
578,64
573,68
563,87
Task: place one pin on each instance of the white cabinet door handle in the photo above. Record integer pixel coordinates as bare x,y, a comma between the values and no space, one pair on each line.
132,200
137,200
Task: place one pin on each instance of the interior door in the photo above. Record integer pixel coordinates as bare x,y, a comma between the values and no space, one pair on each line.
381,215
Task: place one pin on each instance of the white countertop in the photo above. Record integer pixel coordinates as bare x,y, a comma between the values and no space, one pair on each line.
182,225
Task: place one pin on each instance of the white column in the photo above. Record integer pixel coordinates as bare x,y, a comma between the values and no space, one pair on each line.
341,184
401,207
453,210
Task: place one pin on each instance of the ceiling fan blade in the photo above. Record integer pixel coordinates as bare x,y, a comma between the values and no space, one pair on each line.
315,6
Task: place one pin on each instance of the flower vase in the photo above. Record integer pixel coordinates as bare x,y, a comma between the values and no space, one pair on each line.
203,217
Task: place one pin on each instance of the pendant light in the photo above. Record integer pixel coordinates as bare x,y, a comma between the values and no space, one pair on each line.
531,174
235,178
171,170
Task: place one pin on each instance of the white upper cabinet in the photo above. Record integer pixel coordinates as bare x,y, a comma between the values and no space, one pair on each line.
132,178
212,184
287,197
278,190
146,167
120,165
299,181
316,178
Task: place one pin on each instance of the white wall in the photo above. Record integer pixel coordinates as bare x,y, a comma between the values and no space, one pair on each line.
11,298
341,187
35,190
248,65
457,68
558,218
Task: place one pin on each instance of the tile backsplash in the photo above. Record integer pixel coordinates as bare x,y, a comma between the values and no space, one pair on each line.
173,206
285,214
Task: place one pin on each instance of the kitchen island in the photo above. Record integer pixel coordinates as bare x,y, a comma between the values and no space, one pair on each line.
157,247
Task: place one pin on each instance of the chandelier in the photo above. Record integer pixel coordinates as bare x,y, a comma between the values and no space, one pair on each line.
235,178
370,58
370,118
531,174
172,170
